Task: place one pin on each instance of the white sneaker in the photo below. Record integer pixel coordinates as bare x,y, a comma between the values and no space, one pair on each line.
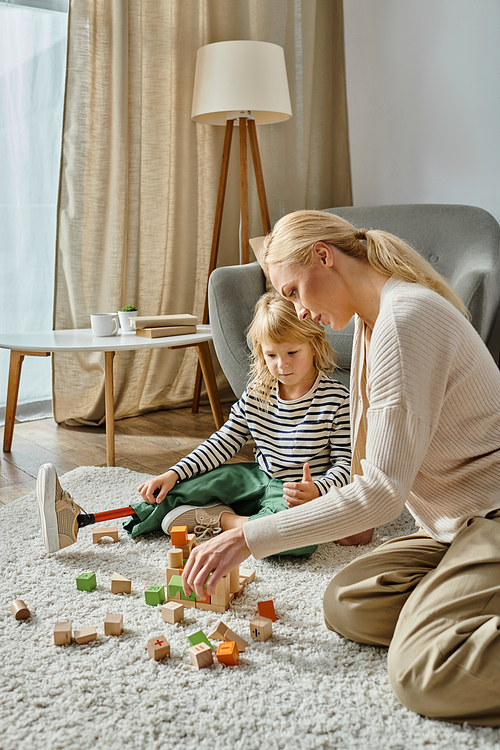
203,521
58,511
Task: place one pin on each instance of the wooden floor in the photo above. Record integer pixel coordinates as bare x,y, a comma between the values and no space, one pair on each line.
147,444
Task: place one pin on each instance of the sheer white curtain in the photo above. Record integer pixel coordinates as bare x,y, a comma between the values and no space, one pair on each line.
32,71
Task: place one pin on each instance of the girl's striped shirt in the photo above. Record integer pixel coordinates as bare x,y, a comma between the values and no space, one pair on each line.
314,429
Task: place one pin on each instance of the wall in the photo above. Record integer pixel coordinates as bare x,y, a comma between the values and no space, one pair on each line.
423,89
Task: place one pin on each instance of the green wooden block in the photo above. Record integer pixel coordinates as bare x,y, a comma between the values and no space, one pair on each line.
175,586
198,637
154,595
86,582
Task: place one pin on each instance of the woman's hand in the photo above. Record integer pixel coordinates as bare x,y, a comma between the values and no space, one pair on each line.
218,557
163,483
296,493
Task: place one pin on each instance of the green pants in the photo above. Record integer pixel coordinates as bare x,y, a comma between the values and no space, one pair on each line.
245,487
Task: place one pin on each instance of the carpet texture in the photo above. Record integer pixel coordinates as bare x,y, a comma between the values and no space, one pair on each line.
304,688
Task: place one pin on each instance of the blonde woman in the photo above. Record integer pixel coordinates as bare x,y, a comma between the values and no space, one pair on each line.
425,419
298,418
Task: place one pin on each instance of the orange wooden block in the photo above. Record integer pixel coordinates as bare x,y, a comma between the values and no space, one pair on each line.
179,535
266,609
158,648
228,653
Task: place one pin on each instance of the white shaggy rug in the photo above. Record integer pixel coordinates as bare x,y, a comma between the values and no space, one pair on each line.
304,688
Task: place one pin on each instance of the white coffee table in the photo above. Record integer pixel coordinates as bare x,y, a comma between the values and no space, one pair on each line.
81,340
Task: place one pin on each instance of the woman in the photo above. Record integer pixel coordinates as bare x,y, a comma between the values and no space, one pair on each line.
425,420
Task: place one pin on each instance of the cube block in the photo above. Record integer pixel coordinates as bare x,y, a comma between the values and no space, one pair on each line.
86,582
113,624
261,628
179,535
62,633
154,595
201,655
158,648
228,653
172,612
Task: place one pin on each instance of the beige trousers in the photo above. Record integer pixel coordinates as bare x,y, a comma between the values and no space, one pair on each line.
437,607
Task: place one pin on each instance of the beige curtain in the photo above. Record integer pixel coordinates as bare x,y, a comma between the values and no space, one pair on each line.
139,179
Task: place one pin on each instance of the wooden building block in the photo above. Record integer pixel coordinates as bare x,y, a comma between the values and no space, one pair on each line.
20,610
198,637
85,635
201,655
120,584
154,595
176,592
158,648
62,633
175,559
266,609
261,628
240,642
86,582
234,580
222,593
172,612
188,547
218,633
179,535
248,575
113,624
98,534
228,653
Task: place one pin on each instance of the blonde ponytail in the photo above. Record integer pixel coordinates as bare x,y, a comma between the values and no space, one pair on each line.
293,238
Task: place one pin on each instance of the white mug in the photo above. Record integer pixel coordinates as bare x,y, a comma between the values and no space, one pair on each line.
104,324
125,323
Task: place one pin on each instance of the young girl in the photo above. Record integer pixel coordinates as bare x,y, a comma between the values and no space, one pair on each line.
298,418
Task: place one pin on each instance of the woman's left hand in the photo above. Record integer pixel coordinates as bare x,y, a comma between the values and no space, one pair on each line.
296,493
218,557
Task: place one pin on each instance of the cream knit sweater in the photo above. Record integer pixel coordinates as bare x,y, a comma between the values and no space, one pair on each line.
428,402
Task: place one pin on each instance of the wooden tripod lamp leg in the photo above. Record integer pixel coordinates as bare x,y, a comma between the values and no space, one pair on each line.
221,194
259,176
109,401
244,234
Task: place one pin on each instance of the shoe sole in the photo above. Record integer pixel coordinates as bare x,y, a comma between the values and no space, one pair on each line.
46,495
176,512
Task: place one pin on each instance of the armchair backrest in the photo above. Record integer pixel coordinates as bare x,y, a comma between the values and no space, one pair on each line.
461,242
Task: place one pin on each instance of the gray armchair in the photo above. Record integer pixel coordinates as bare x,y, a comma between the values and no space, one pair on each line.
462,242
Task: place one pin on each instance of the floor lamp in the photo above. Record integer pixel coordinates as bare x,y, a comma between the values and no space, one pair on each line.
242,83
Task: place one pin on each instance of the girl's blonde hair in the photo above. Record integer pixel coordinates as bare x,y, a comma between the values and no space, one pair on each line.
275,322
293,238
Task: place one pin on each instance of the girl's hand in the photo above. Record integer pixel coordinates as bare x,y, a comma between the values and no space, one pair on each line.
163,483
296,493
218,556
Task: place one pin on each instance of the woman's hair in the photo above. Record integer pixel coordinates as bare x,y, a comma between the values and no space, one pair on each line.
275,322
294,236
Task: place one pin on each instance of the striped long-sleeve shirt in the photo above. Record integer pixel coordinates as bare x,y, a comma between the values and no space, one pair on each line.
425,415
314,428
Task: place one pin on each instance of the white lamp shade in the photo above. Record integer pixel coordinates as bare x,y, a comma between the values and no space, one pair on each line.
240,76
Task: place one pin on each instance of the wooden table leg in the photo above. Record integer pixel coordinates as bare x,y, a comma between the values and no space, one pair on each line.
207,369
16,361
110,407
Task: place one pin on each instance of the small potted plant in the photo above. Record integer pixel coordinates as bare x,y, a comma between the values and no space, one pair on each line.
125,314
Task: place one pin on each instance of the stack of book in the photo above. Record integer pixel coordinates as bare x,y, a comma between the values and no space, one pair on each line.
164,325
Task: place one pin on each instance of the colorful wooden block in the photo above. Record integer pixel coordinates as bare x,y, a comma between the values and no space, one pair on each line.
228,653
120,584
158,648
198,637
154,595
179,535
172,612
261,628
98,534
266,609
174,585
85,635
201,655
175,559
20,610
62,633
86,582
113,624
